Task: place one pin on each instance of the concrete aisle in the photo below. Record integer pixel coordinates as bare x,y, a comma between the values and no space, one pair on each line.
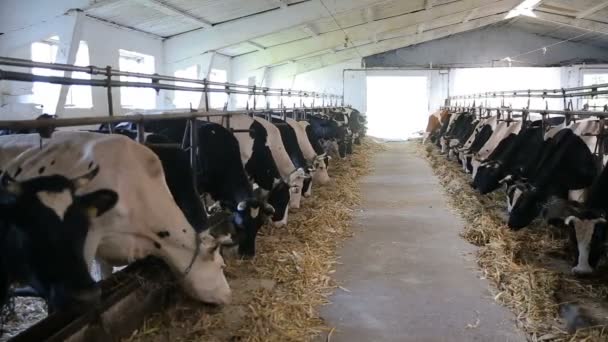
410,276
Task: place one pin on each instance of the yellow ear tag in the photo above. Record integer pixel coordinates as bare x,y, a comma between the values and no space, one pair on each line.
92,212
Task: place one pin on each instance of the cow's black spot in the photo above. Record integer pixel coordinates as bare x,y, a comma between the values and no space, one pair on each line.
41,170
157,245
53,162
163,234
17,172
90,165
183,230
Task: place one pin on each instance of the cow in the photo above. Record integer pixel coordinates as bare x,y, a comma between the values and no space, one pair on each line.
434,123
513,155
252,149
287,169
290,142
565,168
480,136
320,174
315,142
143,221
330,136
503,129
588,226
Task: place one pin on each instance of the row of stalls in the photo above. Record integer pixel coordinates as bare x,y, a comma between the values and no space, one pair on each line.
530,183
130,297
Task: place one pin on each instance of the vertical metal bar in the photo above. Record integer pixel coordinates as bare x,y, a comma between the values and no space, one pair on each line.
141,133
194,151
109,92
206,90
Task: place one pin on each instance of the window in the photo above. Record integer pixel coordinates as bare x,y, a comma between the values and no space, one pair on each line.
140,98
217,100
79,96
598,102
240,101
46,94
187,99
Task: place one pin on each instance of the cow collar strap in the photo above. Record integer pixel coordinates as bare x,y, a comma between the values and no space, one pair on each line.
197,251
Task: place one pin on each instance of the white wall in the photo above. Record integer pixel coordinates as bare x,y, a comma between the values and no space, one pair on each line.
104,41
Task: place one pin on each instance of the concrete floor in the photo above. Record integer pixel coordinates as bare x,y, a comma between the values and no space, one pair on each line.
408,275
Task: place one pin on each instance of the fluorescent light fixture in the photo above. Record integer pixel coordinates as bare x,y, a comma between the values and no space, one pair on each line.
526,8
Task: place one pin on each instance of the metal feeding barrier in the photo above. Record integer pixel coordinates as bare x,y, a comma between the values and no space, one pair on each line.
568,112
157,82
70,325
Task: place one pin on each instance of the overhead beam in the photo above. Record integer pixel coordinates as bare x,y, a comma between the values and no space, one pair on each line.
281,3
592,10
405,24
100,3
179,49
583,24
256,45
169,9
420,28
313,63
470,15
308,29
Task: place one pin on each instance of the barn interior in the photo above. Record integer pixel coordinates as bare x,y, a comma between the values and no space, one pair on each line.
397,112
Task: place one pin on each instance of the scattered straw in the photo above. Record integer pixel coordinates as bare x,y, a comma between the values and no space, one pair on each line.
529,268
276,296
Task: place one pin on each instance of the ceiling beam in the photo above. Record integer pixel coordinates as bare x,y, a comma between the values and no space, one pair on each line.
438,16
259,47
591,10
470,15
420,28
169,9
308,29
281,3
99,3
317,62
583,24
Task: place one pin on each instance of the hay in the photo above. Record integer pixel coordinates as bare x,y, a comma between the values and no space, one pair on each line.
276,296
519,264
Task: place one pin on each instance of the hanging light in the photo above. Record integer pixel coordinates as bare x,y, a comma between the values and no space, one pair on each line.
525,8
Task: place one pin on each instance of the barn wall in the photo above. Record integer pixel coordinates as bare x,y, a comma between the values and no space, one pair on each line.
481,47
103,41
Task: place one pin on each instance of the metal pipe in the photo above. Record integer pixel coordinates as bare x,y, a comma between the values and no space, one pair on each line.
140,118
545,111
93,70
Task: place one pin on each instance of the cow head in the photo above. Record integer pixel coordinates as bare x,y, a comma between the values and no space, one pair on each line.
320,175
45,225
523,202
296,183
249,216
488,176
588,237
330,146
279,198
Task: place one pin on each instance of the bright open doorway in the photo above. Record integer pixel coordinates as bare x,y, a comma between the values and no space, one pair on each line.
397,106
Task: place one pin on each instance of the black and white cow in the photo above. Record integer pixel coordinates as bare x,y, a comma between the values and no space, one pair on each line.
330,136
145,219
513,156
315,142
480,136
43,248
290,142
565,168
317,161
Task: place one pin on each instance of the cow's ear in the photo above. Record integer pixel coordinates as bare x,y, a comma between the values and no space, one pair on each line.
241,206
571,221
98,202
86,178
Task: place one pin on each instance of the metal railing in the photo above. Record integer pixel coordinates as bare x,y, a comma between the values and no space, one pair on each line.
585,91
156,82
